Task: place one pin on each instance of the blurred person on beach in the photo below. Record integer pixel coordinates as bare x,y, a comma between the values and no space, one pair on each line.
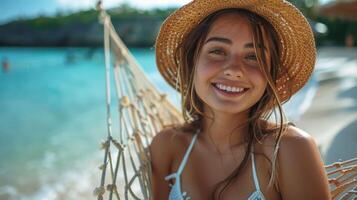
5,65
235,63
349,41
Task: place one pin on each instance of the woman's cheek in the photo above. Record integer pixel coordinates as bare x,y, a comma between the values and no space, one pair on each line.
204,69
210,66
260,78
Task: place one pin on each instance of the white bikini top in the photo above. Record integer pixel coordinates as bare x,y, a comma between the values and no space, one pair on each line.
177,194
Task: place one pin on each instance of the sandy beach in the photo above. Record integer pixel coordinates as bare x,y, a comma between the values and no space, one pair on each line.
332,117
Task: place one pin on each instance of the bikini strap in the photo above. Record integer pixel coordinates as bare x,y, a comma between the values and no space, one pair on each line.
255,177
188,151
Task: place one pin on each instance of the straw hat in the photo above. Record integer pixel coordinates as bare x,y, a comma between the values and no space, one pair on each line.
295,35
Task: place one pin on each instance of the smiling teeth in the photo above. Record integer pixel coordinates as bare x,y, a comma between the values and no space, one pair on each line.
229,88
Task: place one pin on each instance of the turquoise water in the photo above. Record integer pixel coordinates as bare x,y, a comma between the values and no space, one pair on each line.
52,103
52,119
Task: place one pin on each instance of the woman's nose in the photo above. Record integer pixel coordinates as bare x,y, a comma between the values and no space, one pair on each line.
234,70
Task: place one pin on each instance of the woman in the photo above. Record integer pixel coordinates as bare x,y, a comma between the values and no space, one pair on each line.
235,63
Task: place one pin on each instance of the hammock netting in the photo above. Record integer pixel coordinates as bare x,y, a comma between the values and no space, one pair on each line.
343,179
142,112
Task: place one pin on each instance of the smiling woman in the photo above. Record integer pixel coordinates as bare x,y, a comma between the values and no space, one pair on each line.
235,64
228,62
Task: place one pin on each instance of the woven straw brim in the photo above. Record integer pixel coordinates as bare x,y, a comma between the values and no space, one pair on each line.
296,39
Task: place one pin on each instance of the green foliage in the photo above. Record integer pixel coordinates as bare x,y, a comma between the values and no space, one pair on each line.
46,23
124,12
337,29
307,7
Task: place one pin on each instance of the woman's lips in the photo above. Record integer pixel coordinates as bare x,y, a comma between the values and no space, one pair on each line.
228,93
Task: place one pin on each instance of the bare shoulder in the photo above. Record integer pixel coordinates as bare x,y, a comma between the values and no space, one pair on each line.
163,149
293,139
300,169
165,146
163,138
301,172
298,148
161,146
169,138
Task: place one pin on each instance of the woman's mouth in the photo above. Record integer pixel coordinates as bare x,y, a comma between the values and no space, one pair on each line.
229,90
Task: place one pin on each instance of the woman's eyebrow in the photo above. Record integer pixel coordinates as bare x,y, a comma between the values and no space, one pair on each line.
251,45
219,39
228,41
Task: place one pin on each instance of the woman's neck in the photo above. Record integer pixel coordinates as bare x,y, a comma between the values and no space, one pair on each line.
225,130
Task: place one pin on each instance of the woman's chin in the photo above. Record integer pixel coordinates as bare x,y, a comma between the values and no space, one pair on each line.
228,109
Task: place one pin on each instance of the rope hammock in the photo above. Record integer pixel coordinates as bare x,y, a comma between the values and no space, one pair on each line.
144,111
343,179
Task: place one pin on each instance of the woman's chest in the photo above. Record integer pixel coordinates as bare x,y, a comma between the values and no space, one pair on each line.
202,182
204,175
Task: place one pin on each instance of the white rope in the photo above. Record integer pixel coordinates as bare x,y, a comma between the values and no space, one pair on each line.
142,113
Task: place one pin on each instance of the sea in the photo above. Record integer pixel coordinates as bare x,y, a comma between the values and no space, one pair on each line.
53,119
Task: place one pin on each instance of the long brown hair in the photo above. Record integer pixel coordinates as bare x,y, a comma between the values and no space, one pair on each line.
192,106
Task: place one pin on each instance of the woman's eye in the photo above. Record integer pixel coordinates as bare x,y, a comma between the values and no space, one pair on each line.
217,52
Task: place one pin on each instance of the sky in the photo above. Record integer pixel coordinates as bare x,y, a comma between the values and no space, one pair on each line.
12,9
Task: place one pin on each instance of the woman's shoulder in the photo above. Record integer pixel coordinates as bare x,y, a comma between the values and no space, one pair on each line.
295,139
170,142
172,136
291,146
291,135
298,148
300,168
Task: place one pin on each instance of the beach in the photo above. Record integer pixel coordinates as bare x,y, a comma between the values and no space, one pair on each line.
332,116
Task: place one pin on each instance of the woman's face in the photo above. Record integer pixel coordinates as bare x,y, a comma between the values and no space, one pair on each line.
228,77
